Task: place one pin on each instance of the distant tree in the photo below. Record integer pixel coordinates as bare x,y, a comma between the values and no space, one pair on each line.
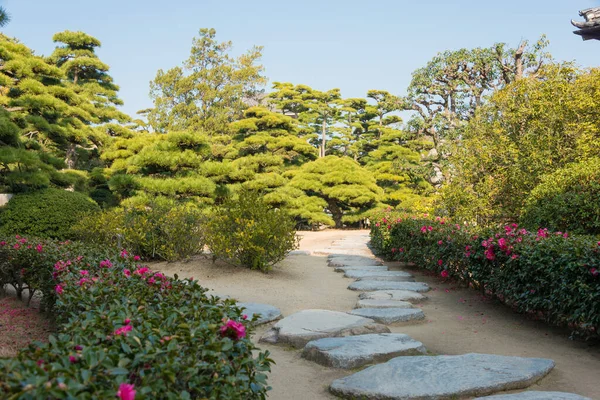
4,17
209,91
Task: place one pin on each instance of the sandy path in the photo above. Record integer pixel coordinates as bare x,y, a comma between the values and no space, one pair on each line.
457,320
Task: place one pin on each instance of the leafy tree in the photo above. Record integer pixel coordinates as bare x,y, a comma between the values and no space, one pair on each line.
209,91
4,17
348,191
529,129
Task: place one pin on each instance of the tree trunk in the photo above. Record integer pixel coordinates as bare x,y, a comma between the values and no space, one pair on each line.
71,156
336,213
519,61
323,138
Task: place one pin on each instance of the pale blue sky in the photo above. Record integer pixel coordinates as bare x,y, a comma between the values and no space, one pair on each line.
353,45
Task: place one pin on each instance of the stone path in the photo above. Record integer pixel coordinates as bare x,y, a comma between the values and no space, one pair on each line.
401,369
266,313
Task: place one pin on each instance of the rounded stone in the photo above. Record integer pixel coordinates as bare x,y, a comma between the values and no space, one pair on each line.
383,304
266,312
400,295
390,315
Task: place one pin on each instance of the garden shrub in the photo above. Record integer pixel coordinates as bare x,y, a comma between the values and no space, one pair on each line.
47,213
247,232
124,328
567,200
155,231
552,275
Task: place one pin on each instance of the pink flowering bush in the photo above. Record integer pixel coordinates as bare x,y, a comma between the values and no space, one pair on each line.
125,331
552,275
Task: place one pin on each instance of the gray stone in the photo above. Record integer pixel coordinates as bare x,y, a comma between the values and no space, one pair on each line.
352,261
371,285
356,351
399,295
401,276
299,253
379,268
383,304
442,377
533,395
390,315
267,312
300,328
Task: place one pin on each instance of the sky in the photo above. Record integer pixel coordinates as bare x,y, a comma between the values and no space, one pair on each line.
347,44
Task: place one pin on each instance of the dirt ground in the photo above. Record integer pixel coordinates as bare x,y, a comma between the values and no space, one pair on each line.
457,321
20,326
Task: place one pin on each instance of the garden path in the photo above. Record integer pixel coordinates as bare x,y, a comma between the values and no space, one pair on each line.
457,320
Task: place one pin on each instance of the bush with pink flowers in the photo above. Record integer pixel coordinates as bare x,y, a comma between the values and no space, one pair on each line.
551,275
128,332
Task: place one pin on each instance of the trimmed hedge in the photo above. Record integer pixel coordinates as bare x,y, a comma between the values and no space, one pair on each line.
552,275
568,199
47,213
124,328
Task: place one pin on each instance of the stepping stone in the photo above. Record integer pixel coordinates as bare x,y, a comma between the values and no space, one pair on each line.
299,253
373,268
442,377
356,351
267,312
362,274
300,328
390,315
396,295
371,285
533,395
352,261
385,303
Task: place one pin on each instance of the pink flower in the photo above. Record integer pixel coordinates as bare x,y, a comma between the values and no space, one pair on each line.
244,316
151,281
440,242
158,275
78,347
84,272
440,262
424,229
141,271
58,289
127,321
16,246
430,228
126,391
445,274
39,248
393,250
136,258
72,359
377,224
82,281
123,330
124,253
233,330
105,264
127,272
401,250
489,254
514,256
502,244
594,272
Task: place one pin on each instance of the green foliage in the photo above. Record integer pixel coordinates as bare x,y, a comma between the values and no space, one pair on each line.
154,230
247,232
348,191
4,17
553,276
567,200
47,213
121,323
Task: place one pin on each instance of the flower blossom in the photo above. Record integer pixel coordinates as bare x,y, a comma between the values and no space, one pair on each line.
445,274
126,391
105,264
123,330
233,330
58,289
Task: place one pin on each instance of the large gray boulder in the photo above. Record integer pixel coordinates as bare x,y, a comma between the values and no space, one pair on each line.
533,395
363,268
400,295
383,304
390,315
442,377
300,328
356,351
370,285
266,312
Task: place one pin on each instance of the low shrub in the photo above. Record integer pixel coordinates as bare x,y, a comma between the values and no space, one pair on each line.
126,331
567,200
47,213
155,231
247,232
553,275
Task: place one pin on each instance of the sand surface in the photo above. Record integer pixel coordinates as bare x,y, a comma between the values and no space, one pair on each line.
457,320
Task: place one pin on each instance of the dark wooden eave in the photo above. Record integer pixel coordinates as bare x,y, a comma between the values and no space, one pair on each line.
590,28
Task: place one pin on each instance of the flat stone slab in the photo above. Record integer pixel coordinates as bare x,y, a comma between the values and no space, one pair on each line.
442,377
378,303
356,351
300,328
299,253
267,312
372,268
352,261
387,278
397,295
371,285
390,315
356,274
534,395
